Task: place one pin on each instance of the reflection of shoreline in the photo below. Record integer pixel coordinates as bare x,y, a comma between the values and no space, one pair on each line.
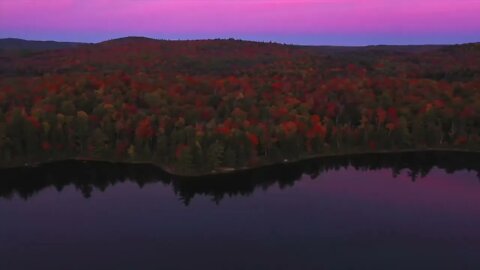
228,171
89,175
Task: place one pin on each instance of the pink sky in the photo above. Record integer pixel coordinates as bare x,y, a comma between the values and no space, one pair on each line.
300,21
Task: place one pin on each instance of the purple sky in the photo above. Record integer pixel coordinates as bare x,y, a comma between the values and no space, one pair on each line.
347,22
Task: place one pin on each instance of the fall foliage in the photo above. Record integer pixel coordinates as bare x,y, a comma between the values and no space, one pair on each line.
202,105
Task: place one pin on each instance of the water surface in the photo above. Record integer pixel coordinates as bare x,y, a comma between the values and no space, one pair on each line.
413,211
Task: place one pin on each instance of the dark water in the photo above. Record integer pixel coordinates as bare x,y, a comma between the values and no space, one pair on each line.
409,211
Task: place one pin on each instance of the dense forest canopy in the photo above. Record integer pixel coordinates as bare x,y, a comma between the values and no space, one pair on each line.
198,106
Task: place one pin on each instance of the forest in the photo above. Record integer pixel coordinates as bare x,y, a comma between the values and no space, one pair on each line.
209,106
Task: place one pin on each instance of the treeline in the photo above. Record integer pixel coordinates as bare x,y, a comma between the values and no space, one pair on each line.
88,177
293,105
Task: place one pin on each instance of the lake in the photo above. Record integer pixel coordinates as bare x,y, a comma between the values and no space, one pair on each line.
402,211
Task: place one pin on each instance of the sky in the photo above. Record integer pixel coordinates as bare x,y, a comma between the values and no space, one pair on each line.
309,22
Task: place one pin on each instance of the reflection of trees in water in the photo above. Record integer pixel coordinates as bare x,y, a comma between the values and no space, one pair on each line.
88,176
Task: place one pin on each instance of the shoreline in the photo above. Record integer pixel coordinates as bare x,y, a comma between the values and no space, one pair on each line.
227,170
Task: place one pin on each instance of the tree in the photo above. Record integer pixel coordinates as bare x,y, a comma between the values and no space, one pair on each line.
215,154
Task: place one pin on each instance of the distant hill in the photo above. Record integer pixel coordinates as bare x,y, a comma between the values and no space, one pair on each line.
128,39
326,49
13,44
374,49
210,56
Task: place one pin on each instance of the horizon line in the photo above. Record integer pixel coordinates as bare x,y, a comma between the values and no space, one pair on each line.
245,40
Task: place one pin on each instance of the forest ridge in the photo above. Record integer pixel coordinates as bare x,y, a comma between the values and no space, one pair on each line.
193,107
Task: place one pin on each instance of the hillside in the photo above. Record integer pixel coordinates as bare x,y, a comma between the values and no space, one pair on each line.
192,57
193,107
12,44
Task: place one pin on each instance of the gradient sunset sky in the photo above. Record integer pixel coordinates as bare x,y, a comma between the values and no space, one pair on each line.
329,22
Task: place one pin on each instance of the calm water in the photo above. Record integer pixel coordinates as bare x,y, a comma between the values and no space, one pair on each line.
415,211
